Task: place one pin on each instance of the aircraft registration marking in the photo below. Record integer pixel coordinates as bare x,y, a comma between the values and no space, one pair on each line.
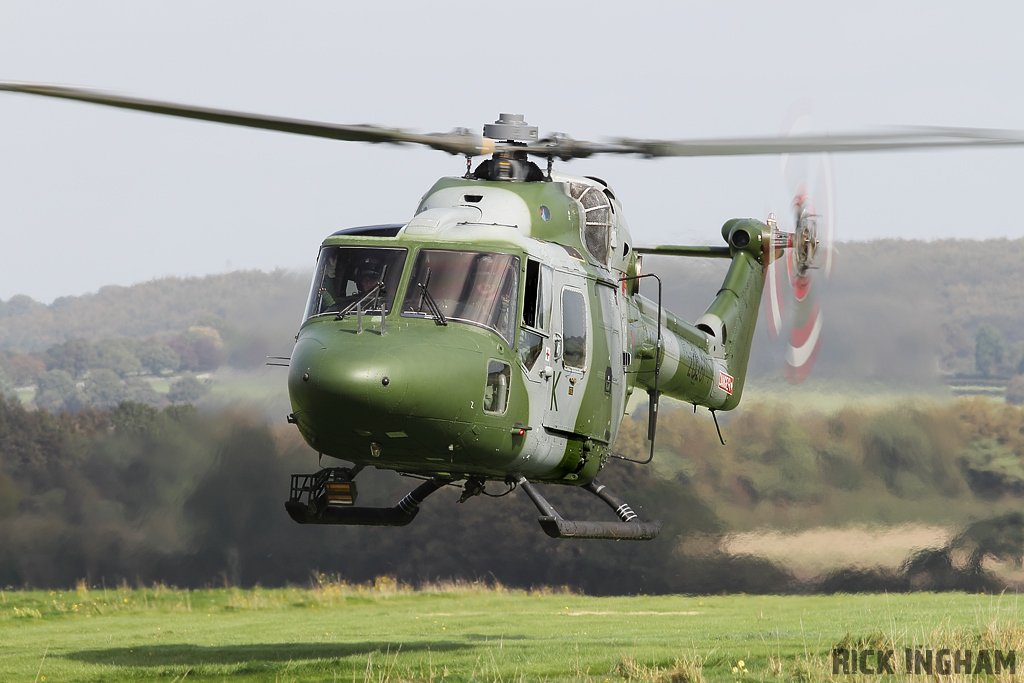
725,382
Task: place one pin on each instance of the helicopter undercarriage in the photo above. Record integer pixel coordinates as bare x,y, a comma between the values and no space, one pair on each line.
328,497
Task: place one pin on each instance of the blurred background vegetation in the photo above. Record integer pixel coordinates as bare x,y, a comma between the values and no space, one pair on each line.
193,498
142,439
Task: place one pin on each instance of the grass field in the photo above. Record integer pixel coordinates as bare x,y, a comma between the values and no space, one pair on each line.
388,633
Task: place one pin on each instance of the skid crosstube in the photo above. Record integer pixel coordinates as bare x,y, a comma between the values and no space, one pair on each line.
630,528
310,512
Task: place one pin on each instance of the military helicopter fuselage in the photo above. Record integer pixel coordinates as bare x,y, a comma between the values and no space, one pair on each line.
529,376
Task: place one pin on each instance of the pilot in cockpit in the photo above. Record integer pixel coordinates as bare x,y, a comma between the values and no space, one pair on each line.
330,286
366,277
345,283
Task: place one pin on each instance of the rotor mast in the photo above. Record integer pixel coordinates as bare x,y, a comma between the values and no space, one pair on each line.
510,161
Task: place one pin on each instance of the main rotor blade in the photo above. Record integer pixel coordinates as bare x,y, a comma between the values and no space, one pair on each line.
903,139
457,142
461,141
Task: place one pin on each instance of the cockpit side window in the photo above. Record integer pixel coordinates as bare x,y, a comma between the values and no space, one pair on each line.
537,296
345,275
467,286
536,311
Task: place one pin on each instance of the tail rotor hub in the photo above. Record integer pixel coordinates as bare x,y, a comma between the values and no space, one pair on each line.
805,237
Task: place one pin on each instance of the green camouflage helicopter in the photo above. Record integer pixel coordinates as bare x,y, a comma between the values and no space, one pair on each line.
497,335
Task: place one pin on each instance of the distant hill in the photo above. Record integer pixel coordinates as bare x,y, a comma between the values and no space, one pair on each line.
896,311
270,303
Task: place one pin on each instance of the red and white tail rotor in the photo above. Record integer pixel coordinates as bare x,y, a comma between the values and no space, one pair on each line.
805,246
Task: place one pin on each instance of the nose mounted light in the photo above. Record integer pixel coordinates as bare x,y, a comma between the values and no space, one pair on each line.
375,449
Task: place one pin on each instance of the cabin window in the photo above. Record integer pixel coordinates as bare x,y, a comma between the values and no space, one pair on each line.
574,329
530,346
474,287
347,275
499,375
537,295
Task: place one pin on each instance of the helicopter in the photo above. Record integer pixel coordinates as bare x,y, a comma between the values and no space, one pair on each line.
498,334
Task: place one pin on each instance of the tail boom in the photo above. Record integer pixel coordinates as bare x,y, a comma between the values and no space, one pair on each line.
706,363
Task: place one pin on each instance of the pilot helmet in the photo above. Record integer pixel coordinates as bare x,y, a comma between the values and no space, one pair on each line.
370,268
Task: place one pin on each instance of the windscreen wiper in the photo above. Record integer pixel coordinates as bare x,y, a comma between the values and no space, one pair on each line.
435,310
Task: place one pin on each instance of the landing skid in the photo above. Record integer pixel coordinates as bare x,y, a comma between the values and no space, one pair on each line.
328,497
629,529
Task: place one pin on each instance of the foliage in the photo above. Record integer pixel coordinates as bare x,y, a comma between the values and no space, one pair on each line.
958,565
989,351
992,469
7,388
118,354
22,368
175,495
103,389
1015,390
74,357
157,358
58,391
186,389
199,349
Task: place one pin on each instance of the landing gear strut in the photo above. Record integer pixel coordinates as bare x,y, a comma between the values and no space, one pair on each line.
630,528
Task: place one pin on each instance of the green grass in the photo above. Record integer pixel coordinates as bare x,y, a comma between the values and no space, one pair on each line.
388,633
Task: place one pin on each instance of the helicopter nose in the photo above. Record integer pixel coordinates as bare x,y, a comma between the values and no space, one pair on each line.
370,379
361,384
358,379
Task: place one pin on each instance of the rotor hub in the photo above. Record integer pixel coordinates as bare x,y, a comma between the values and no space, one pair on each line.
805,237
512,128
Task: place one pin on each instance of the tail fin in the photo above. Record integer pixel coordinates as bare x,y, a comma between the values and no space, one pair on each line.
732,316
706,363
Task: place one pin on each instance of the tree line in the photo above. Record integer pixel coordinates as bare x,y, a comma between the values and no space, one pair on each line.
174,495
71,375
896,312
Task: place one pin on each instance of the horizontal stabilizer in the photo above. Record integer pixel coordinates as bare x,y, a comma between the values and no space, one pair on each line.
697,251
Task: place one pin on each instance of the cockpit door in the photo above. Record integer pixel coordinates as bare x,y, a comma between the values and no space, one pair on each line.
535,327
571,350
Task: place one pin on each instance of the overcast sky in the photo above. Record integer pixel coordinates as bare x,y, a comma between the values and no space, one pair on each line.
92,196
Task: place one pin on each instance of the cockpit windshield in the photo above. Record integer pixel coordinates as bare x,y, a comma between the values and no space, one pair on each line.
349,275
467,286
